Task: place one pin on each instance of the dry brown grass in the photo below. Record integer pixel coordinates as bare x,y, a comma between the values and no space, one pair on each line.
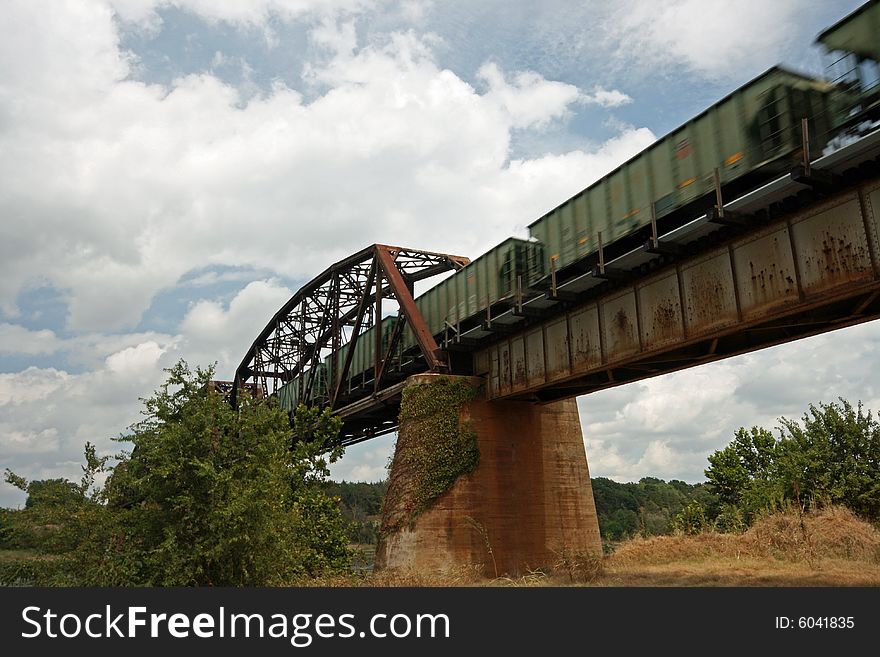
744,572
830,547
830,533
462,576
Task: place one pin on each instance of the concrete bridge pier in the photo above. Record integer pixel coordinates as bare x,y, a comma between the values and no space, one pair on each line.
527,505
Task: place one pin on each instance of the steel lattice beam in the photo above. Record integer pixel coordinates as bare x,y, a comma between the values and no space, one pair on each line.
335,309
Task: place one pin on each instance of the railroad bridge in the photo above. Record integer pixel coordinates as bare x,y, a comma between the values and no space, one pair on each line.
793,258
796,257
725,236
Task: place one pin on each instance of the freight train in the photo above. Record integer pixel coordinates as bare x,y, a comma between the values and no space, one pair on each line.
744,140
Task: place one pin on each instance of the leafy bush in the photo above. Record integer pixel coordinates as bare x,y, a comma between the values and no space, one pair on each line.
691,520
832,457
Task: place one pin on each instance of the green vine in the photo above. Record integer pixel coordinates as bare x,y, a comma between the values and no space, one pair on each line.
437,449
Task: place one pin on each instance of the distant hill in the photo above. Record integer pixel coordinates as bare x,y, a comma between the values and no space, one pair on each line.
361,504
646,508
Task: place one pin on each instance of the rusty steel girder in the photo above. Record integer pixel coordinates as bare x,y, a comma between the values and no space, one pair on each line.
804,272
336,309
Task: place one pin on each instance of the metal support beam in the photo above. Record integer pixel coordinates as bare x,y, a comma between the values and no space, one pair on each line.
349,353
799,273
610,273
417,323
396,332
663,248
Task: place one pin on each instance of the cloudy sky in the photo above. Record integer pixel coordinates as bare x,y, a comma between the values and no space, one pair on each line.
173,170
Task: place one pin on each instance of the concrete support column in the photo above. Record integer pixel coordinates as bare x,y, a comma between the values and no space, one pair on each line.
528,502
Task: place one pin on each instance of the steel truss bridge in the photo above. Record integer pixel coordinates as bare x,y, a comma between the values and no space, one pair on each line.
335,309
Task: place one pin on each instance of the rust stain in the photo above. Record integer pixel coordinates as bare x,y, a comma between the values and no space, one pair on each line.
840,258
535,359
665,324
582,346
622,330
584,339
561,357
768,283
834,260
519,372
556,349
709,299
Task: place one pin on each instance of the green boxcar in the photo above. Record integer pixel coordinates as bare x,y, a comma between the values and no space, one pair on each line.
360,369
288,394
492,277
854,45
858,33
362,361
744,133
487,280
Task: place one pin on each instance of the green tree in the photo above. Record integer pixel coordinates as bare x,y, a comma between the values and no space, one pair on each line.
52,492
48,522
210,495
833,456
743,473
691,520
361,504
648,507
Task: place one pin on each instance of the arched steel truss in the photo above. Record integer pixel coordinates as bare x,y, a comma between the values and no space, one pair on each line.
335,309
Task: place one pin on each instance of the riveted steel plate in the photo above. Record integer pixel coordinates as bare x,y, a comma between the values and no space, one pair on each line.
556,341
535,357
586,347
765,272
709,296
872,209
504,382
660,312
494,373
831,247
518,356
620,327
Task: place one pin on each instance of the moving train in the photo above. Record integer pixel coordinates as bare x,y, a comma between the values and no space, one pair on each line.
749,137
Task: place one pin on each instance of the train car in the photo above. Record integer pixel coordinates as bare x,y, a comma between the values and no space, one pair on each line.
750,136
360,370
363,359
853,46
487,280
288,394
